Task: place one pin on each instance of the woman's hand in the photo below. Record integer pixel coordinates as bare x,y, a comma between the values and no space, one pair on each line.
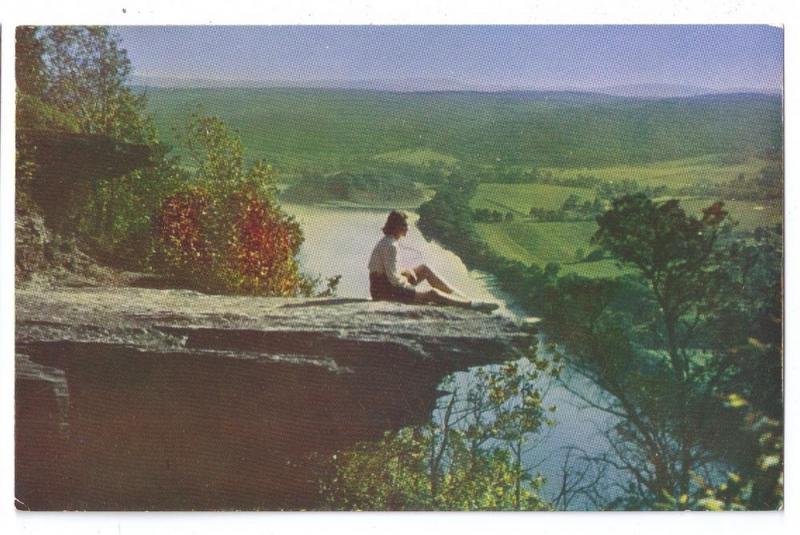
409,275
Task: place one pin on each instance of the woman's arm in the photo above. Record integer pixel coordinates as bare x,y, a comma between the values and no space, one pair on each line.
393,271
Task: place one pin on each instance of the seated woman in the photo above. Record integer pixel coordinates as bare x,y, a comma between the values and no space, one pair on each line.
387,282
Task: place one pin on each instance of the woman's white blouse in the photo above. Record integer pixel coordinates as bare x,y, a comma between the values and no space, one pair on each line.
384,260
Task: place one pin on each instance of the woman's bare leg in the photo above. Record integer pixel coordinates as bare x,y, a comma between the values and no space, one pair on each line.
438,297
424,273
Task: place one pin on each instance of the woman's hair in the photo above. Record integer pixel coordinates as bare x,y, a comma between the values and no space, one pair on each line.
395,221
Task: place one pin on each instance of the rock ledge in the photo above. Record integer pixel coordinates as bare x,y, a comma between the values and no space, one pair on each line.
132,398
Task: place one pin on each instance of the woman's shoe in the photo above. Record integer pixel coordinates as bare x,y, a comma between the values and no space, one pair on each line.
484,306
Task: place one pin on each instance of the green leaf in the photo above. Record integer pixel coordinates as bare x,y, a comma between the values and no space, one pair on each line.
735,401
712,504
768,461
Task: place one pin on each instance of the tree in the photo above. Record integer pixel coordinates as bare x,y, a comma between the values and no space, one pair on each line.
29,66
76,79
746,333
675,255
658,345
447,217
87,78
32,111
570,204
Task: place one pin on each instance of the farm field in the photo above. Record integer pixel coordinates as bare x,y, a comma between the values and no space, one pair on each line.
565,242
541,243
714,168
519,198
417,157
748,214
534,242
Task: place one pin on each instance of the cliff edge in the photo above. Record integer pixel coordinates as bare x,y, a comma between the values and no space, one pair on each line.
134,398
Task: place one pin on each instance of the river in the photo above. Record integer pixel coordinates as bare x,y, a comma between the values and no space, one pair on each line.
338,241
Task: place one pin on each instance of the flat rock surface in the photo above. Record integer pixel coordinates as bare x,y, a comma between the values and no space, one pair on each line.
170,319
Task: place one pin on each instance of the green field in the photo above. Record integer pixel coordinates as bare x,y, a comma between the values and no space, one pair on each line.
417,157
749,215
538,243
519,198
532,242
714,168
541,243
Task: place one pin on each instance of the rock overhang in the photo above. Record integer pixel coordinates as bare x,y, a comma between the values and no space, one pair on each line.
202,401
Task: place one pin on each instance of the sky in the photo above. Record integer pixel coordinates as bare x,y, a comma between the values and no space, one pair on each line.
719,57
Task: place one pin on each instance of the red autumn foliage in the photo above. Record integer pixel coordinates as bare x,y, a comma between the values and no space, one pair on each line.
180,227
240,243
262,246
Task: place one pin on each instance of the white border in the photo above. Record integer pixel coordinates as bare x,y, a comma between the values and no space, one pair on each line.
408,12
775,12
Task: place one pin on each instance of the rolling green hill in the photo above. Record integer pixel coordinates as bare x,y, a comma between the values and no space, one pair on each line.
330,130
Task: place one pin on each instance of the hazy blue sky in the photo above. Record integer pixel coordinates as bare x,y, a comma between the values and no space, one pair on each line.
491,57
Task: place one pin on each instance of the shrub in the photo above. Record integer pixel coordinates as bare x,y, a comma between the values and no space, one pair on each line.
183,242
238,243
226,233
261,247
470,457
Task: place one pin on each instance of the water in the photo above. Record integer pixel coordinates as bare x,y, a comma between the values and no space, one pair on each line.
339,241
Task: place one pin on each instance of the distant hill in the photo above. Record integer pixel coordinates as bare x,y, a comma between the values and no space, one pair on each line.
423,85
654,90
371,84
651,91
333,129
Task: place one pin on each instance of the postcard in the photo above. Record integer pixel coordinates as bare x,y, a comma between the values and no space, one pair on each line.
399,268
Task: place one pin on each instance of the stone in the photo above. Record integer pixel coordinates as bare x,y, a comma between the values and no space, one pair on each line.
146,399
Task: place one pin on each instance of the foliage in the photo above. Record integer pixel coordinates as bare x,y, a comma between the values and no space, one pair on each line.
448,218
86,75
179,224
75,79
221,228
29,68
471,457
225,232
662,345
570,210
684,344
485,215
698,319
117,217
33,110
761,489
363,188
746,331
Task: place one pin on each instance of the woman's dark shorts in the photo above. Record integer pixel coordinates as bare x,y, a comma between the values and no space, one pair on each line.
382,289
